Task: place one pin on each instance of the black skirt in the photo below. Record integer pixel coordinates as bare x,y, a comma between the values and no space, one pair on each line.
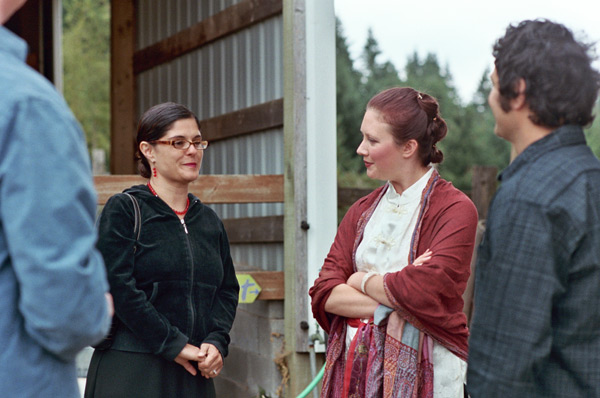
121,374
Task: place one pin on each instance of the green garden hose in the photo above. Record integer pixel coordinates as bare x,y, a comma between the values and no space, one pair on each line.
312,384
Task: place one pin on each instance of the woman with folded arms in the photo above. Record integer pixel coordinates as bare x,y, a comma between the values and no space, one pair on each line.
390,291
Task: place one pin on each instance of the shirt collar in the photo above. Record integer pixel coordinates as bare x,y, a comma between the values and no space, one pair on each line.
411,193
567,135
12,44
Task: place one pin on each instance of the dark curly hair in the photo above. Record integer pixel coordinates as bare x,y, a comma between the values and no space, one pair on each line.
561,85
412,115
154,124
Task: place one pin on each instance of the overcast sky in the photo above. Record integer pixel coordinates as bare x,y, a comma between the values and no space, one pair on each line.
460,32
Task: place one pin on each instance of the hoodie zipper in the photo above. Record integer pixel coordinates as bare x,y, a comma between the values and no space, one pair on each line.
184,226
187,235
191,292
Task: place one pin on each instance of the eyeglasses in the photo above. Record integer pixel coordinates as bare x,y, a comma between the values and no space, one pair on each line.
183,144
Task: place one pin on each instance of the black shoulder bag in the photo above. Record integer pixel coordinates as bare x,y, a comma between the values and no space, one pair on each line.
137,228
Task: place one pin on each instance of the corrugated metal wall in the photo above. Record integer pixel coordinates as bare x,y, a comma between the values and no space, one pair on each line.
159,19
233,73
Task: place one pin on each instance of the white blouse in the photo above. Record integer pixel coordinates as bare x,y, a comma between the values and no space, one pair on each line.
385,247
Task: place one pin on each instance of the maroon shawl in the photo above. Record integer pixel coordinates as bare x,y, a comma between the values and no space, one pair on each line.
427,296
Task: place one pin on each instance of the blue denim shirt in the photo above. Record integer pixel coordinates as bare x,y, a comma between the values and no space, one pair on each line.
536,327
52,280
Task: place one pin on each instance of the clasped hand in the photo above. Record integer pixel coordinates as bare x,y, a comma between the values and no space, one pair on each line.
207,357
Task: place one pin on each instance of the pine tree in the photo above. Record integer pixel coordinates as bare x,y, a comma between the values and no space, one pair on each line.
350,105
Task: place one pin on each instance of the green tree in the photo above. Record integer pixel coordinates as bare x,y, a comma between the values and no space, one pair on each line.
490,149
426,75
593,131
377,76
459,146
86,51
355,88
470,140
350,104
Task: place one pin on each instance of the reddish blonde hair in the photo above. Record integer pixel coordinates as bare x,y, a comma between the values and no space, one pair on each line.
412,115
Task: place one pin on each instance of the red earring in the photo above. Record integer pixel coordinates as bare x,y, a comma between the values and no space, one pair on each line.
154,172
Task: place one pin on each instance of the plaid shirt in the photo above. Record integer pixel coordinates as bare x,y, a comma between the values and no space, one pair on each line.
536,326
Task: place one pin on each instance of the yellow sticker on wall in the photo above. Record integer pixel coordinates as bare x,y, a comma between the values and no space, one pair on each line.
249,289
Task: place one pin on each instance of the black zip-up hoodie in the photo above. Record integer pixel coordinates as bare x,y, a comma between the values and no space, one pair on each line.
178,286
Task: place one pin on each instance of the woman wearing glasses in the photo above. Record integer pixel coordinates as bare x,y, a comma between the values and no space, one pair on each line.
172,280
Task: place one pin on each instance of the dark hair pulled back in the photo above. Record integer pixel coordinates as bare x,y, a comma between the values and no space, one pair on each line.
154,124
412,115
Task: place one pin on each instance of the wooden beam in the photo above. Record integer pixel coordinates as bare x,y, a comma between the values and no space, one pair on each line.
122,88
470,289
347,196
239,188
224,23
261,117
267,229
231,188
483,187
271,284
47,40
27,23
295,246
109,185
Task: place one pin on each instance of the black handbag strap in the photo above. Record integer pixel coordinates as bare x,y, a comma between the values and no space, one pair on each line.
106,343
137,222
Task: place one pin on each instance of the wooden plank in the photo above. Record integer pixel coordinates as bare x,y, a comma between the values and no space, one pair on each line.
468,306
27,23
122,88
226,22
267,229
108,185
347,196
249,188
261,117
230,188
483,187
271,284
46,41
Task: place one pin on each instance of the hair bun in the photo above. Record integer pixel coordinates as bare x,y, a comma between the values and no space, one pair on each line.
412,115
436,130
440,129
436,155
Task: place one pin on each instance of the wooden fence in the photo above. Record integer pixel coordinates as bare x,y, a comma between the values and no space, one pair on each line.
228,189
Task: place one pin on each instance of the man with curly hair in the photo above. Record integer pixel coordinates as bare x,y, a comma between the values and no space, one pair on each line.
536,326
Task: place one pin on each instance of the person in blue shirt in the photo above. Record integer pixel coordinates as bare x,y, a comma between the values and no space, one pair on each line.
53,288
535,332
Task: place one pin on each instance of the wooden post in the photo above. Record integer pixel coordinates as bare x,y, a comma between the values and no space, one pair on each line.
122,87
470,289
483,188
295,242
